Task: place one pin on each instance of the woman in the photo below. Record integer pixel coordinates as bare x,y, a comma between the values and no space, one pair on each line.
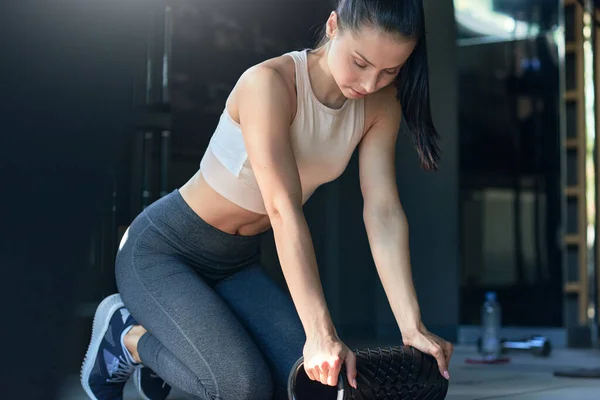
205,318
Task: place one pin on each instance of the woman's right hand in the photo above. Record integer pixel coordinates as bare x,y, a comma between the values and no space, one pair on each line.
323,358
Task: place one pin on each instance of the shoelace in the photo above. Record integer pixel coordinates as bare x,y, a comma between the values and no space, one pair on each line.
120,370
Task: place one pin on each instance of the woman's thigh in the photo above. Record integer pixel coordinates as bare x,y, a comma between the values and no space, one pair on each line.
268,314
190,319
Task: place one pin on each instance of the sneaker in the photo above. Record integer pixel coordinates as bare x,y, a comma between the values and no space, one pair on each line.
149,385
107,364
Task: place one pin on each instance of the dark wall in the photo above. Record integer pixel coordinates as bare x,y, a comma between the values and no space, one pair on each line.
66,99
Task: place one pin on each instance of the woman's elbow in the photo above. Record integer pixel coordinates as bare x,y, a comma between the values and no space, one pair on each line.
384,216
282,208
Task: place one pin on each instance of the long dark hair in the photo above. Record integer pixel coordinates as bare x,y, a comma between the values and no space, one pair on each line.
404,17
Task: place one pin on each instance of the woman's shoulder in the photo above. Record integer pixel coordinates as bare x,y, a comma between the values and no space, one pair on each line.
271,75
281,67
383,103
284,64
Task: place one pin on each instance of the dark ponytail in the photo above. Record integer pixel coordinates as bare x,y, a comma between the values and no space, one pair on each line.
406,18
413,92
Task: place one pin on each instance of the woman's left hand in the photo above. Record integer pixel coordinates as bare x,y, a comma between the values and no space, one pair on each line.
425,341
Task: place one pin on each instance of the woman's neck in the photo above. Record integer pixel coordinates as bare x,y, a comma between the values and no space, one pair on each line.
324,86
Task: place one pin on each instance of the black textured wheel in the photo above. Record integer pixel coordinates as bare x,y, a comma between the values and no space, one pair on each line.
383,373
399,372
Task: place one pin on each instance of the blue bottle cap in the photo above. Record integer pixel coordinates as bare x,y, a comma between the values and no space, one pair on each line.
490,296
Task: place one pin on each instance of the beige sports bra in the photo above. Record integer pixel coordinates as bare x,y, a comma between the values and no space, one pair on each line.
323,140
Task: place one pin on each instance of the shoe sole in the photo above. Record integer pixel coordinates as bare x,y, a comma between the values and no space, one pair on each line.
101,322
137,379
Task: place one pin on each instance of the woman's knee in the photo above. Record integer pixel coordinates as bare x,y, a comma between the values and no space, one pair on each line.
254,386
239,382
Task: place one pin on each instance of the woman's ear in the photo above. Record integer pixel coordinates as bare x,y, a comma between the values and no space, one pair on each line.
332,25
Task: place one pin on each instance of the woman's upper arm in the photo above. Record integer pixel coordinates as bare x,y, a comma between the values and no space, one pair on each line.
377,151
264,108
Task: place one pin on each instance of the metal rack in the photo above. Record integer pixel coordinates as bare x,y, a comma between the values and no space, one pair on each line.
576,143
581,50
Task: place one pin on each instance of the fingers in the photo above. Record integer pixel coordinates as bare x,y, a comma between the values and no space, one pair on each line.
438,352
440,349
350,362
325,369
448,350
310,372
333,369
326,373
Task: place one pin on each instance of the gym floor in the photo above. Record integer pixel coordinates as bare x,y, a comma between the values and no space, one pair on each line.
524,378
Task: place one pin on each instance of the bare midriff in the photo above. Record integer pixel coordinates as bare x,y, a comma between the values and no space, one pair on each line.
219,212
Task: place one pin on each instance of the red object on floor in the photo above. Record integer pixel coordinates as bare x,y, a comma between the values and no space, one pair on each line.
501,360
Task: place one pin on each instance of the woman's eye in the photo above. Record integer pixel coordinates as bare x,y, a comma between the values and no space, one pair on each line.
392,72
359,65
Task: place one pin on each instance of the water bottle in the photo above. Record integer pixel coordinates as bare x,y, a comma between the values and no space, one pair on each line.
490,319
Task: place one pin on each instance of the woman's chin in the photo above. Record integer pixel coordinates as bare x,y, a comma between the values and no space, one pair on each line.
353,94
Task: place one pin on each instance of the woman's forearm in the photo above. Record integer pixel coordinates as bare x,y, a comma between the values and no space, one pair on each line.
299,265
388,238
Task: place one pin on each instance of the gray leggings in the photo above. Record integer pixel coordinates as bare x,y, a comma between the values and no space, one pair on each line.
218,326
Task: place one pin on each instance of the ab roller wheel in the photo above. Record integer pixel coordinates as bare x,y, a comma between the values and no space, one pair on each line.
383,373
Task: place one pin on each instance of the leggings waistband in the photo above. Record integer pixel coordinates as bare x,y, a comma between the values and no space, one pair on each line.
181,225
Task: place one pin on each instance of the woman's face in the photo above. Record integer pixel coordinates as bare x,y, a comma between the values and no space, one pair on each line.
366,61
